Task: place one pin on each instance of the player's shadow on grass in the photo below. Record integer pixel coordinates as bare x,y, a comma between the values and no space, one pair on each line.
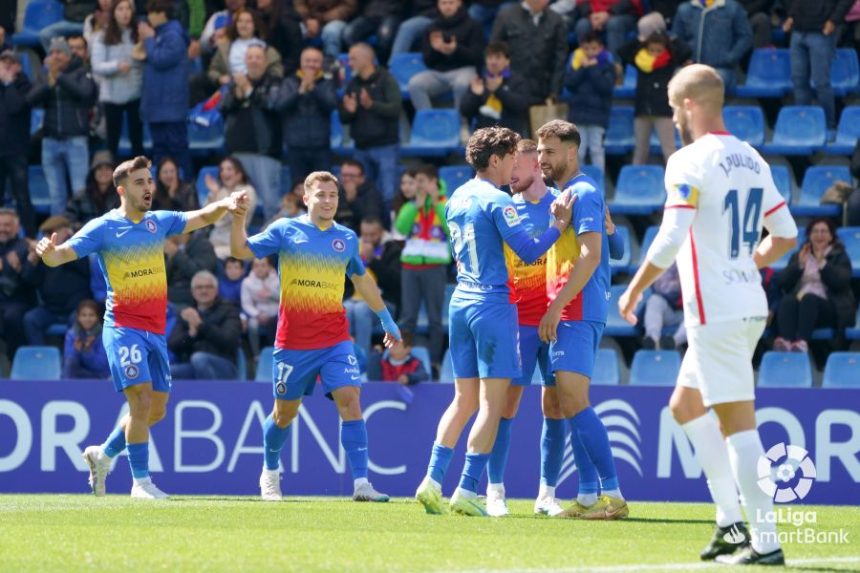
229,499
667,520
789,567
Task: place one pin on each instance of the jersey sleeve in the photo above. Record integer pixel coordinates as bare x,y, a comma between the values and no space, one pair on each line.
175,221
355,266
513,232
269,241
89,238
683,184
588,211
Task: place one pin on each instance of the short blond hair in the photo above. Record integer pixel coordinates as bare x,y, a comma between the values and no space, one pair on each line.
318,177
527,146
699,83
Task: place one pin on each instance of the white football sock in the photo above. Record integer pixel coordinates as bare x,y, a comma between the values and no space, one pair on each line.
587,499
358,482
745,449
713,456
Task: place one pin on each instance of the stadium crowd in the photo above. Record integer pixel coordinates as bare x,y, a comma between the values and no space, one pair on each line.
279,79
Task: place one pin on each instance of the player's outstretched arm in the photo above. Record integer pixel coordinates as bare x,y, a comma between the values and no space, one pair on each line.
239,237
527,248
366,287
214,211
53,254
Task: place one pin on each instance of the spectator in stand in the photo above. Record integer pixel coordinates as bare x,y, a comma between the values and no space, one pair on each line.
185,255
759,16
80,48
207,334
99,195
378,18
164,101
84,355
590,80
453,50
261,292
425,257
717,33
72,24
817,289
218,24
484,12
615,18
664,309
280,28
371,106
171,192
291,206
537,39
15,138
16,294
67,93
412,29
96,22
405,193
252,131
657,57
814,31
231,177
60,288
397,363
120,77
326,19
667,9
381,256
358,197
306,100
229,59
499,96
230,281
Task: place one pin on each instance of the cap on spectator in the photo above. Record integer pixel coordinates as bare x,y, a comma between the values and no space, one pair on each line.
103,157
649,24
10,55
59,44
54,223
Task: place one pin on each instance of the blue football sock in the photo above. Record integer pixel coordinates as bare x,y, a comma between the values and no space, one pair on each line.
551,451
138,460
595,440
274,438
589,481
499,455
115,443
440,457
475,464
353,437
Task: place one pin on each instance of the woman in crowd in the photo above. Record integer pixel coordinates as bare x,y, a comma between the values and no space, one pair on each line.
99,196
229,58
83,354
171,192
231,177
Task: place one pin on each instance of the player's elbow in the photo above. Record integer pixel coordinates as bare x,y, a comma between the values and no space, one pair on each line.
783,245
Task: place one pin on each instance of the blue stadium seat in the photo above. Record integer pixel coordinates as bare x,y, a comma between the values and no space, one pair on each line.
639,190
36,363
782,180
615,325
37,116
847,132
842,370
799,130
124,147
623,265
422,354
39,195
241,365
403,66
264,365
619,138
745,122
627,89
435,133
454,176
595,173
785,370
446,373
783,261
769,74
850,237
655,368
38,14
202,190
647,239
816,180
853,333
338,146
606,371
57,329
845,72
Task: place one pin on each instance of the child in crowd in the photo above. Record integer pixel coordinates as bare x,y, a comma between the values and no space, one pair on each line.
260,294
83,353
397,364
230,283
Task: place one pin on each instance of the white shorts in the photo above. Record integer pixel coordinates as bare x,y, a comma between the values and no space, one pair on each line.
718,362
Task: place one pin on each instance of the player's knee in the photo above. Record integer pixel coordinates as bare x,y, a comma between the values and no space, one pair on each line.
551,408
156,415
140,407
682,409
284,415
572,403
466,404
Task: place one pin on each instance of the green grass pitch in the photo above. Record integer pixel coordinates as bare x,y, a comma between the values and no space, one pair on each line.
232,534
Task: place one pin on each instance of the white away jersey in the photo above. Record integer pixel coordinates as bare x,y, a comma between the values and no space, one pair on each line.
731,189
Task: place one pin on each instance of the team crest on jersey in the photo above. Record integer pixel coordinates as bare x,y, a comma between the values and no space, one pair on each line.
281,388
338,245
132,371
511,216
151,226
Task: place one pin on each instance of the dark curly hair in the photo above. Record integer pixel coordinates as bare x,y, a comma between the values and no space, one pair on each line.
489,141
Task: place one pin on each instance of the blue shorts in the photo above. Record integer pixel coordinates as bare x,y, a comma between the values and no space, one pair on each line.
484,339
535,353
575,348
294,372
135,357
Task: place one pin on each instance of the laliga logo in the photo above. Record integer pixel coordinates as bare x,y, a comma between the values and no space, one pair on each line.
782,481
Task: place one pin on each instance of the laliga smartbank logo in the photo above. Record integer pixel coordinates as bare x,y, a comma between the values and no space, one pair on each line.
786,473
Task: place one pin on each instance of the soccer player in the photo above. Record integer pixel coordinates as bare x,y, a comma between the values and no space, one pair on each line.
482,319
720,194
129,242
578,288
312,339
533,199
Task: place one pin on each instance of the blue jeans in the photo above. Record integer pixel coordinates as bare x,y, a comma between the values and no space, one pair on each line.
381,165
362,320
409,33
62,28
485,15
205,366
331,36
362,27
38,319
58,157
616,30
265,174
807,47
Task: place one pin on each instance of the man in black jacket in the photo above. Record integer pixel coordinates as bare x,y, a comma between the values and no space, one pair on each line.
16,295
185,256
67,93
379,17
252,131
359,198
452,49
500,97
371,106
306,100
207,335
15,137
537,39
